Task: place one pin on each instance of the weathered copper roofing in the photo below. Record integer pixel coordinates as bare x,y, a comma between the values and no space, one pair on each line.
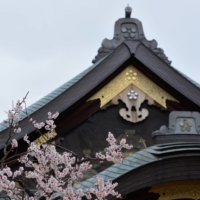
154,154
66,95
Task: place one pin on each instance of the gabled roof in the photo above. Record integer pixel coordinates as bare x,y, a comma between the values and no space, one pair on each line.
129,46
35,107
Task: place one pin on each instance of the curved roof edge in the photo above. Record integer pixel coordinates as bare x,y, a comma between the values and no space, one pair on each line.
186,77
139,159
52,95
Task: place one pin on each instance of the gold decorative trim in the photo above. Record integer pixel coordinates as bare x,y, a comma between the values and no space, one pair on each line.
44,138
128,76
178,190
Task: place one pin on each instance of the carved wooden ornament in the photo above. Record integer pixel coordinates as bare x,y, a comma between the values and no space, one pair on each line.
134,113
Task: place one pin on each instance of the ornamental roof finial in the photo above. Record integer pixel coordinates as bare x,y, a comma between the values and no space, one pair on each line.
128,11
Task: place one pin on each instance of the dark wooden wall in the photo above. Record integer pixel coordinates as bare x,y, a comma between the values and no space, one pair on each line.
91,133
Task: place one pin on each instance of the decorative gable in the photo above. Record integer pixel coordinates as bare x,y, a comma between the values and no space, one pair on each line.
132,87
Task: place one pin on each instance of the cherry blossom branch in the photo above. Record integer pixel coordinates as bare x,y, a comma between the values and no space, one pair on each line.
12,122
52,172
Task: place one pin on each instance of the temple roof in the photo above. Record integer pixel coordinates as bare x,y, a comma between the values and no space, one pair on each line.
129,46
141,158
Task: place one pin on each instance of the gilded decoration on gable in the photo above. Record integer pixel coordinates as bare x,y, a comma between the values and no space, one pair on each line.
185,125
45,138
129,76
178,190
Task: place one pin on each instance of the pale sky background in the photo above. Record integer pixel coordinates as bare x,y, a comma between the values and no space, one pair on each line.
45,43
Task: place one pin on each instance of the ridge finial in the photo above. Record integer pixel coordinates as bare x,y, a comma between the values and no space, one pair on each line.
128,11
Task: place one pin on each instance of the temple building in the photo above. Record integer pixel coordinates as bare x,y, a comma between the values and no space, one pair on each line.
132,89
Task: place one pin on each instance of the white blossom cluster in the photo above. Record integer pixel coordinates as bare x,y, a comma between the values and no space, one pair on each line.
50,126
103,189
52,170
7,182
113,152
13,114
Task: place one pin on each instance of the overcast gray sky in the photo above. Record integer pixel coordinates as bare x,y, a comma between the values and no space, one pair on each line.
44,43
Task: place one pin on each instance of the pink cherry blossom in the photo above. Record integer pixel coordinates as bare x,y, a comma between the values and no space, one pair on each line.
14,143
26,139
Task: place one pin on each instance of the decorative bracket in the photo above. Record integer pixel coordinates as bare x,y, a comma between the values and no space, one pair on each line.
138,114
